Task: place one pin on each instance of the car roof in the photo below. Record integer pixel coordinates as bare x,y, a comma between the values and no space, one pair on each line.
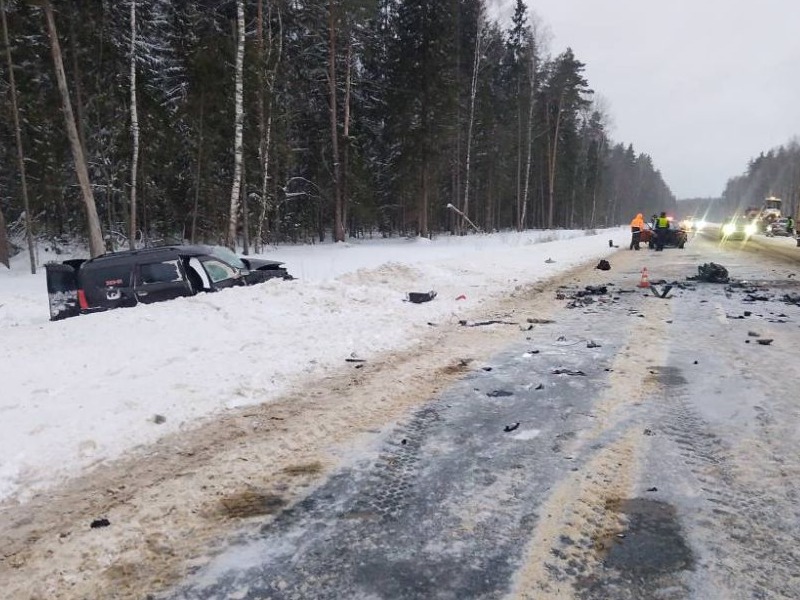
156,253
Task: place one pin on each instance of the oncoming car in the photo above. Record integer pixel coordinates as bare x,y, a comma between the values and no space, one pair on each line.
123,279
737,228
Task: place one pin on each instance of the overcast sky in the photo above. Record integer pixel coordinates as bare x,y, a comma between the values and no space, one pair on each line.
700,85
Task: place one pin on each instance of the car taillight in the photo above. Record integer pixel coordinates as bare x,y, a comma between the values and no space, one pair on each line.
82,300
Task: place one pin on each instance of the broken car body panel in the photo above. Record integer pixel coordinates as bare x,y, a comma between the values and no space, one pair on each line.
124,279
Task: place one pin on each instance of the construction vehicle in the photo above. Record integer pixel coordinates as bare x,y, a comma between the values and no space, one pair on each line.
763,217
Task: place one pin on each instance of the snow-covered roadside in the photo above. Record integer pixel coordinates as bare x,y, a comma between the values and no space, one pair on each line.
84,390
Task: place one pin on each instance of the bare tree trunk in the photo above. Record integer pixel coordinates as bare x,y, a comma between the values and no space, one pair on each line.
265,125
529,135
245,216
423,203
134,132
346,131
3,235
338,226
93,222
552,147
198,175
239,121
20,158
472,94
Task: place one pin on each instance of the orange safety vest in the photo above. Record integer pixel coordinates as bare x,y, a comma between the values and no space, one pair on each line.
638,221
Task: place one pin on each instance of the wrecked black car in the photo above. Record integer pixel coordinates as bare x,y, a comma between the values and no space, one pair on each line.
123,279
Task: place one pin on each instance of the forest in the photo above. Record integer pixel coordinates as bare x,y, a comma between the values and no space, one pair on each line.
772,173
254,122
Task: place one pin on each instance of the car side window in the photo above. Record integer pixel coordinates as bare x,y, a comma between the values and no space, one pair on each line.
218,271
160,272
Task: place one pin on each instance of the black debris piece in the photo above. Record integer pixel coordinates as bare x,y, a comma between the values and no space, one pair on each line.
487,368
499,394
159,419
764,341
539,387
648,432
661,294
539,321
568,372
511,427
652,489
432,324
753,334
695,362
592,290
712,273
420,297
592,344
549,261
464,323
791,299
98,523
747,313
603,265
404,441
756,298
355,360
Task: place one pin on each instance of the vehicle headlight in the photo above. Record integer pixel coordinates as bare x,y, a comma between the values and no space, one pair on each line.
728,228
750,229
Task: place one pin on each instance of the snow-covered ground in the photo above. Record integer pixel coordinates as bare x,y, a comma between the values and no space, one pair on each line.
85,390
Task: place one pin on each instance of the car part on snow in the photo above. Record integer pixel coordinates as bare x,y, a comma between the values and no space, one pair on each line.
603,265
420,297
511,427
712,273
662,294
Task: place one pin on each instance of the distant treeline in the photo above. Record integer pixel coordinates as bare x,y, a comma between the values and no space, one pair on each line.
358,117
774,173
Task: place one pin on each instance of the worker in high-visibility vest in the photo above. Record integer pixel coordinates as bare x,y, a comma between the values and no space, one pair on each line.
637,224
662,230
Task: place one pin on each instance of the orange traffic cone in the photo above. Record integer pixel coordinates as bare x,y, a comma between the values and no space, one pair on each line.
644,282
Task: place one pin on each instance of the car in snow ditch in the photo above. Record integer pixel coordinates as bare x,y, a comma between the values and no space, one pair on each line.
124,279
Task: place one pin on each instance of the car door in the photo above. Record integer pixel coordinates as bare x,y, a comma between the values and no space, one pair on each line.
221,274
160,280
62,291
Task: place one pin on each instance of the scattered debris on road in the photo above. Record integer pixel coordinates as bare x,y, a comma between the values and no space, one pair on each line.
511,427
98,523
568,372
603,265
420,297
499,394
764,341
711,273
465,323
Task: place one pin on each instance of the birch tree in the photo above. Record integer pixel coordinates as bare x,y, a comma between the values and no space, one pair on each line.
338,226
267,75
20,157
480,40
239,121
532,60
134,131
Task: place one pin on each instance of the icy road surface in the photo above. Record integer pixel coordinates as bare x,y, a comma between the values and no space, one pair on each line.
652,451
